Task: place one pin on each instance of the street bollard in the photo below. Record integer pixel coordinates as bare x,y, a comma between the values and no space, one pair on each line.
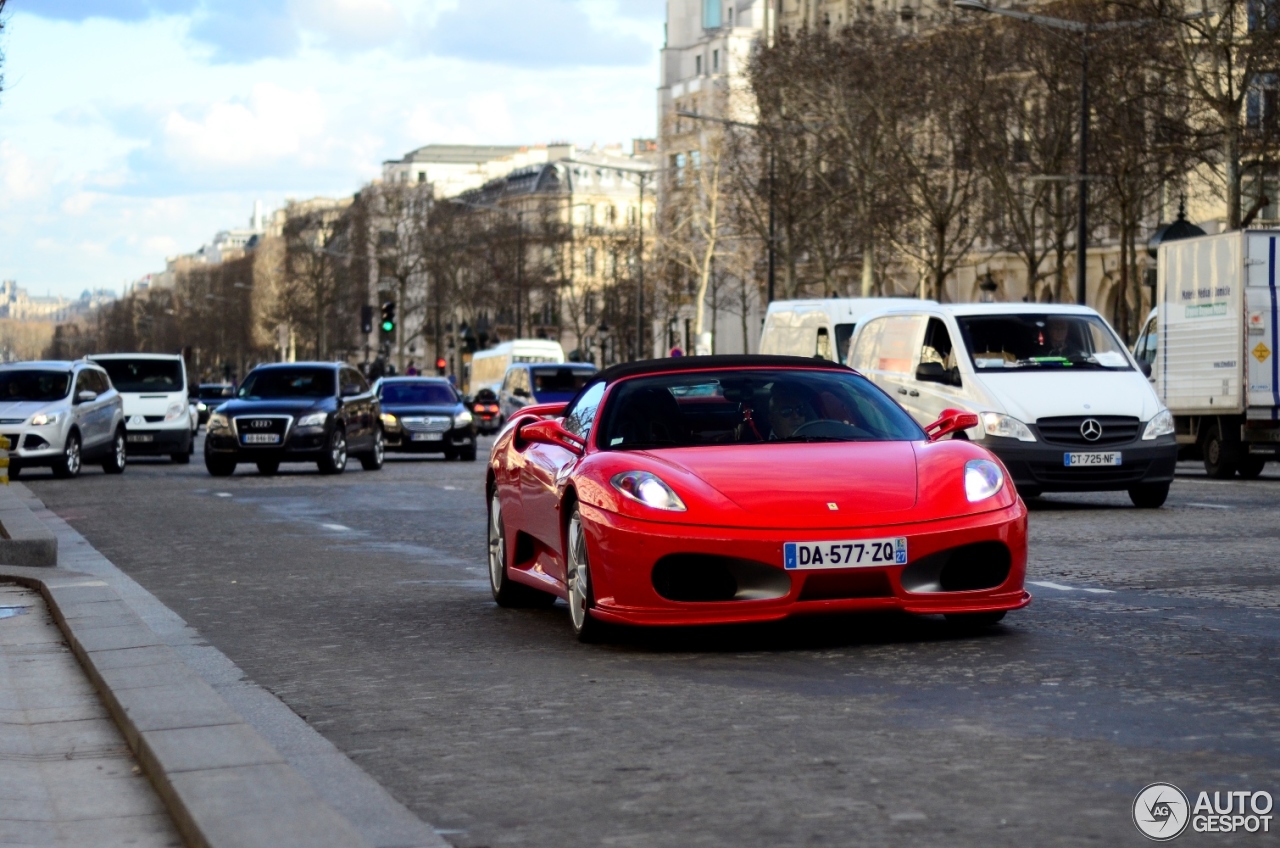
4,460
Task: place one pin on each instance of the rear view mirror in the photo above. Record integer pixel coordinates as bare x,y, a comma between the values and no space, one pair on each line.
952,421
86,396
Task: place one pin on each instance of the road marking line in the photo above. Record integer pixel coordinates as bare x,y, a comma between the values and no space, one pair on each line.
1044,584
222,494
1209,506
339,527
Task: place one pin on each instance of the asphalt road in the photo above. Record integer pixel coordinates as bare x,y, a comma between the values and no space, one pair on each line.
362,602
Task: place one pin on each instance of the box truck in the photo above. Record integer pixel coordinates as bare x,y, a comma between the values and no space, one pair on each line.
1210,345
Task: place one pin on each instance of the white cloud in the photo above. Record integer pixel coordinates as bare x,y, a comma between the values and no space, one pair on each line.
272,124
80,203
352,24
22,178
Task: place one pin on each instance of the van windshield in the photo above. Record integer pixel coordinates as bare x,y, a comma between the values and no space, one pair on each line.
1041,342
560,381
33,385
144,375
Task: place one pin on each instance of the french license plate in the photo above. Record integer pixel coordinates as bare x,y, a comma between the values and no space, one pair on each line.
1073,460
261,438
428,437
141,437
862,553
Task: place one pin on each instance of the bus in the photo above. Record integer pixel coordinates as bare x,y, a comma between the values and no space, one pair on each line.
488,367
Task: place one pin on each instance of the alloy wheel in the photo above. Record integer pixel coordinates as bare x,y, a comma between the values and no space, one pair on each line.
578,575
497,545
73,456
338,449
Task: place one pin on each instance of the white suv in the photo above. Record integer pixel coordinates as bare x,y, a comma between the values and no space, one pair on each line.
60,415
157,409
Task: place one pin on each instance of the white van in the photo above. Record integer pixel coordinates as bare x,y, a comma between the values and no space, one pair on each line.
489,367
157,406
1059,398
820,328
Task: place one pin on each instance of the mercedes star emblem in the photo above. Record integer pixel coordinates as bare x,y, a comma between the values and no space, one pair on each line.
1091,430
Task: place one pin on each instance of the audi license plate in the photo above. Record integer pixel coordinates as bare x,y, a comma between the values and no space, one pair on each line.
1073,460
261,438
862,553
141,437
428,437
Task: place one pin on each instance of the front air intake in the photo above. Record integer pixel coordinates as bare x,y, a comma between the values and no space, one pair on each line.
703,578
982,565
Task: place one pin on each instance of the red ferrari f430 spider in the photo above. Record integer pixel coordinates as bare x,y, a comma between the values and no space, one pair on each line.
724,489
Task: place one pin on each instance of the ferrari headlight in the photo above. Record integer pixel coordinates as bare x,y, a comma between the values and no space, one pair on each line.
982,479
218,421
995,424
1161,425
389,420
40,419
175,410
462,419
315,419
648,489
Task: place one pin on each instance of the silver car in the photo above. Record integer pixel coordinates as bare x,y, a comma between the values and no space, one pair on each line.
60,415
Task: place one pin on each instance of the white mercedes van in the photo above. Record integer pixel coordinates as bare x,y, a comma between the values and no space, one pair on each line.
820,328
157,409
1058,397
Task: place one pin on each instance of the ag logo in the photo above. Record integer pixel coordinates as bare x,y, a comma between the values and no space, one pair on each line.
1161,812
1091,429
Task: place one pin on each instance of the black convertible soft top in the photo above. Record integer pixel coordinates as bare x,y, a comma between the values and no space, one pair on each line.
698,363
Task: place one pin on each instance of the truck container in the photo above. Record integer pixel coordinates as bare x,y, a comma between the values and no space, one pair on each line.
1209,347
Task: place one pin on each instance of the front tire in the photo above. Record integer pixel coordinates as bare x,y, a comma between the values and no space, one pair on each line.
507,592
68,465
335,456
219,467
1149,495
581,588
468,454
372,461
118,458
1251,467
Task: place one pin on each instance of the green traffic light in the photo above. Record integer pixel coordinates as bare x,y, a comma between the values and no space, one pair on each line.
388,326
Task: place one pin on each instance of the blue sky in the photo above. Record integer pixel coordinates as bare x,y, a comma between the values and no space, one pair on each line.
135,129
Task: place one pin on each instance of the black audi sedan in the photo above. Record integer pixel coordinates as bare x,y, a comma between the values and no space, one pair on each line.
426,415
297,412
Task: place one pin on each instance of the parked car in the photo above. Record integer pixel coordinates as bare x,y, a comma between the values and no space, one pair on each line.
157,408
297,412
528,382
1059,398
209,396
60,415
426,415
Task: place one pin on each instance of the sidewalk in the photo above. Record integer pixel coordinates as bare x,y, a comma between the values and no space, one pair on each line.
67,777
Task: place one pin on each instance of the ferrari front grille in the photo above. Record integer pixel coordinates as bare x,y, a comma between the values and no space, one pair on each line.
703,578
982,565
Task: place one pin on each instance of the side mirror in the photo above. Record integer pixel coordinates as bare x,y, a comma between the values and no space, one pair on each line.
552,432
1145,368
86,396
952,421
520,393
932,372
350,389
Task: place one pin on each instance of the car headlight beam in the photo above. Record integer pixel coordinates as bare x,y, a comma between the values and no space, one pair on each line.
462,419
315,419
1005,426
40,419
1160,425
649,489
389,420
982,479
218,421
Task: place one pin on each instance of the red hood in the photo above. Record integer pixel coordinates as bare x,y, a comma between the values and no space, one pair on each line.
792,484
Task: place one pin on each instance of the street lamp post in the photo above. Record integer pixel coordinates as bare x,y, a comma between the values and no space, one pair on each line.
1084,29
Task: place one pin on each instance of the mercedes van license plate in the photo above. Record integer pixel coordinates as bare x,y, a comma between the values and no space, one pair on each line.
1072,460
853,554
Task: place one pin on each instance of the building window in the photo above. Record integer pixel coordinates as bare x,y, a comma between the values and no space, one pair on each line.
711,14
679,161
730,16
695,159
715,61
697,65
590,261
422,176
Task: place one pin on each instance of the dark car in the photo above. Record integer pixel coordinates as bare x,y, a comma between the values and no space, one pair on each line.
297,412
210,396
541,382
426,415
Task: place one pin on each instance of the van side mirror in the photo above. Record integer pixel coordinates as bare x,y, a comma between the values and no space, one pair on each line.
952,421
86,396
932,372
520,392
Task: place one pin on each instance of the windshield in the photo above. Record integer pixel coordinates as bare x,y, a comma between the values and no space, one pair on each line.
1041,342
144,375
273,383
564,381
418,393
750,407
216,392
33,385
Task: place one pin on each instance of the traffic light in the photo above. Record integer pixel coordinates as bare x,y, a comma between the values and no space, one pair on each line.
388,317
441,365
366,319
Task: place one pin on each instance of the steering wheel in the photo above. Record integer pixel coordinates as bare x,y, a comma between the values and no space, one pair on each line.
826,428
